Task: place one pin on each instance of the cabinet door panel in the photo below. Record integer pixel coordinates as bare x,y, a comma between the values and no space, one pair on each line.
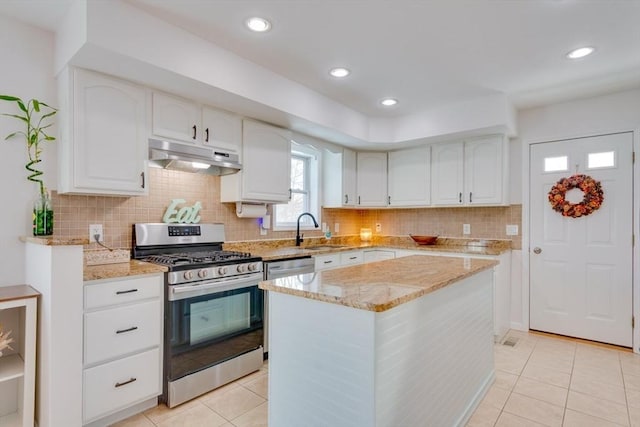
110,145
410,177
266,162
372,179
484,171
116,384
221,129
447,174
175,118
348,177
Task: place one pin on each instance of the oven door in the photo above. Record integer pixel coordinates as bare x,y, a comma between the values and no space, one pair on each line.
210,322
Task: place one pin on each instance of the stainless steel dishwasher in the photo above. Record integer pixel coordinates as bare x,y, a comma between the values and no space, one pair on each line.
282,268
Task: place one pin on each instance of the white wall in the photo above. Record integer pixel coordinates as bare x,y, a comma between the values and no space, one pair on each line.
27,72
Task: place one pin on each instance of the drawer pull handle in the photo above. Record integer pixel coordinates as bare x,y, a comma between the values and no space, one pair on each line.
126,382
122,331
353,257
128,291
328,262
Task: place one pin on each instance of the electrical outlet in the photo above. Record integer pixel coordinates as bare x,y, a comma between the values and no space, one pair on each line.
466,228
512,230
93,230
378,227
336,227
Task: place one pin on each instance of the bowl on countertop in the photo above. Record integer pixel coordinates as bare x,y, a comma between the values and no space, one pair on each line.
424,240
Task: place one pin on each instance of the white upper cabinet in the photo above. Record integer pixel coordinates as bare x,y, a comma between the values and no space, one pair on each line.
221,129
486,170
371,179
266,166
472,172
103,143
175,118
339,178
186,121
410,177
349,166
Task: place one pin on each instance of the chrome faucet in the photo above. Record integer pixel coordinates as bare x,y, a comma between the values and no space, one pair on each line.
299,238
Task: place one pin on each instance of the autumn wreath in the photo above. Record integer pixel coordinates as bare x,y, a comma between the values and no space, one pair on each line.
593,196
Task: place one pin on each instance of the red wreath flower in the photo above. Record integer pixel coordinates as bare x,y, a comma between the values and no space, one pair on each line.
593,196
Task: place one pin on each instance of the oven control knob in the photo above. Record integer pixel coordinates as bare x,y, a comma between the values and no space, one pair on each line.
241,268
222,271
253,267
188,275
203,273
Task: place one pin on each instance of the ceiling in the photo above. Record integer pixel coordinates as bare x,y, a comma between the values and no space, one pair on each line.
425,53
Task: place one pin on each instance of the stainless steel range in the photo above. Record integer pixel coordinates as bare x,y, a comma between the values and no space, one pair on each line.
214,311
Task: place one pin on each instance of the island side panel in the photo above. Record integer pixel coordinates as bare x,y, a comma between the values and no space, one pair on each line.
321,363
435,355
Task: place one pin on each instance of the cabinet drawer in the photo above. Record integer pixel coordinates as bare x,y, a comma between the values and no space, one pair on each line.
118,331
103,294
351,258
118,384
327,261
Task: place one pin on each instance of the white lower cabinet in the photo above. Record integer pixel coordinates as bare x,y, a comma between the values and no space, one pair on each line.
325,262
122,356
120,383
373,255
351,258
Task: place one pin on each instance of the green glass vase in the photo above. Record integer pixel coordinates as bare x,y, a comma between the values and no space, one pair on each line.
42,216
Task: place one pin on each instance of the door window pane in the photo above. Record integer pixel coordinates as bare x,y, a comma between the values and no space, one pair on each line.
601,160
555,164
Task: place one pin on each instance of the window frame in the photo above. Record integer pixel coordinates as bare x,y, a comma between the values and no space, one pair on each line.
312,178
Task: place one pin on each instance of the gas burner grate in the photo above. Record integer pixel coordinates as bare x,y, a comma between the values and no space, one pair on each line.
187,258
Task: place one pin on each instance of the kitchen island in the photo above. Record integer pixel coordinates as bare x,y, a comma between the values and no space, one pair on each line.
403,342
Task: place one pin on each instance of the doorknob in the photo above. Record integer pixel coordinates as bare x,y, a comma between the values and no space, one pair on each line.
537,250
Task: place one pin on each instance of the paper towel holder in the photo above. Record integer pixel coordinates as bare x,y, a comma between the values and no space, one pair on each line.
250,210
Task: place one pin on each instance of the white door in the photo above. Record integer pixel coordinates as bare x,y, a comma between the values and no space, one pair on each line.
581,268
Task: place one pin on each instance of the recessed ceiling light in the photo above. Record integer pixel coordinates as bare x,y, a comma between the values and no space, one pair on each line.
339,72
580,52
259,25
389,102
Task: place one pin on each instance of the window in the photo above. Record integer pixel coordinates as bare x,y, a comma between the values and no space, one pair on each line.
555,164
304,191
601,160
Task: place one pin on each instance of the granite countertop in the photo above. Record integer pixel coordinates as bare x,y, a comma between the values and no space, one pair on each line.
55,241
271,250
382,285
123,269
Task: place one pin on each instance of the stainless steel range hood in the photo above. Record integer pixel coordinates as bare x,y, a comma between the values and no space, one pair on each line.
197,159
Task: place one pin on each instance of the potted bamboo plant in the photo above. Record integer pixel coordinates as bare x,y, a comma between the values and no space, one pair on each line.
35,116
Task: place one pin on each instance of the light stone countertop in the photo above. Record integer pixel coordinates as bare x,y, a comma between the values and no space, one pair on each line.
380,286
271,250
123,269
55,241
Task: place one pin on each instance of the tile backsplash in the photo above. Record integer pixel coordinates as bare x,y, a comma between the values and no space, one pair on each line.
73,214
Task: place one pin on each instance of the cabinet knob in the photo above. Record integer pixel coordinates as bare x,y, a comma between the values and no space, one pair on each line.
537,250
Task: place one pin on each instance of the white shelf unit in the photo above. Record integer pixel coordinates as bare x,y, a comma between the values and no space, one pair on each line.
18,313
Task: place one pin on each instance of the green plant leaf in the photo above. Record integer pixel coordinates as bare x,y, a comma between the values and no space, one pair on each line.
24,119
11,135
36,105
21,105
9,98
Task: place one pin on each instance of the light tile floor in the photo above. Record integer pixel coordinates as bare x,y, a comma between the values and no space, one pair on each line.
543,380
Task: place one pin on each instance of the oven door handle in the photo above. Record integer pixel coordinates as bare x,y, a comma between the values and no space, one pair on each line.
205,288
